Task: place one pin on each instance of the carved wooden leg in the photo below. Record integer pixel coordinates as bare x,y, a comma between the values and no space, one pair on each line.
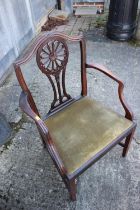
127,143
72,189
43,142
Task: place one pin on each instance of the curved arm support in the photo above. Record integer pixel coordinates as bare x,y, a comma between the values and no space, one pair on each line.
128,112
25,106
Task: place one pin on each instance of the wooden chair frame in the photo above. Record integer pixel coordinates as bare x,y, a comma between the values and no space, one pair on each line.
27,104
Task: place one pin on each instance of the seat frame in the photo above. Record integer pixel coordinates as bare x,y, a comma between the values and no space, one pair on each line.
28,105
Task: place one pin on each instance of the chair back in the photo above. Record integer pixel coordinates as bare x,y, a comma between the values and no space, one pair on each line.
52,55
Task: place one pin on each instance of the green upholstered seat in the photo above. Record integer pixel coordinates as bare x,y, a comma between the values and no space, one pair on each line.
83,129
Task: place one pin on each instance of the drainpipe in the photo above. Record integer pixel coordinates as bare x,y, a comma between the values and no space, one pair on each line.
138,29
66,5
59,4
121,23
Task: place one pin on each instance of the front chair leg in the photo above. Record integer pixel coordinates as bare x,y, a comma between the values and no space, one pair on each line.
127,143
43,142
72,187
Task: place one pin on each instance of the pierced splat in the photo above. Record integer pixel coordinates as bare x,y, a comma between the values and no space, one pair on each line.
52,58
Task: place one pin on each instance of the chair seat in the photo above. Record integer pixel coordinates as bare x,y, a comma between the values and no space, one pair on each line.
83,129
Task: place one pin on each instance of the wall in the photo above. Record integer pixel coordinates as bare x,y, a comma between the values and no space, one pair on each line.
40,8
18,20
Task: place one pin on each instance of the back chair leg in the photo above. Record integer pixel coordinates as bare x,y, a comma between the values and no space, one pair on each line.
127,143
72,187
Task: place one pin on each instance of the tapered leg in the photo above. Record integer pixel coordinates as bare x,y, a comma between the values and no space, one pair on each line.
72,187
43,142
127,143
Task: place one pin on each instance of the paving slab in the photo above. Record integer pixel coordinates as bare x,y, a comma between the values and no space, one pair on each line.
5,130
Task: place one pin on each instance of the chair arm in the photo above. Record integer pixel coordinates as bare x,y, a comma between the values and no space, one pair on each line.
25,106
128,111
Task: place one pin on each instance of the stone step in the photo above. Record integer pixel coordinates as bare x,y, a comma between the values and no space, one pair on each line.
84,11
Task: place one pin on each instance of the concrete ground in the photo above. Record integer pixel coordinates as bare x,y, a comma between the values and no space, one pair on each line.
28,178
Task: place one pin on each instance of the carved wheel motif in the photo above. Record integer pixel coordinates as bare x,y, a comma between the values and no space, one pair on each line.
52,57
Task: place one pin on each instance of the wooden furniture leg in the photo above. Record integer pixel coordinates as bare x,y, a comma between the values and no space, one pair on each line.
43,142
127,143
72,189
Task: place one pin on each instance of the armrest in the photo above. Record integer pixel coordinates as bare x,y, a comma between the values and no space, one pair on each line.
128,112
25,106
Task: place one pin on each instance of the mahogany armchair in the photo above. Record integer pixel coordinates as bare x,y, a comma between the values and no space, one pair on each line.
77,131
